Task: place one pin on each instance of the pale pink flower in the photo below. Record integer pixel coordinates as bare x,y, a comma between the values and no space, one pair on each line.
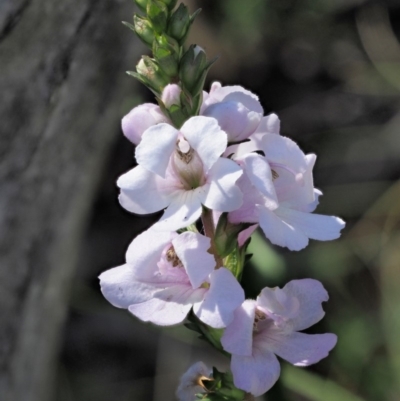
270,326
181,171
236,109
167,274
279,195
139,119
171,95
191,382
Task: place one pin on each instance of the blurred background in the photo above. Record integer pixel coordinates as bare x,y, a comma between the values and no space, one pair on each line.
330,69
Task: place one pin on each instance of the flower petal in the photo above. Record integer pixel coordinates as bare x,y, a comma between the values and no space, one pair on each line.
139,119
120,288
234,118
310,294
221,191
238,336
169,306
279,232
191,248
206,138
314,226
223,297
185,209
145,251
301,349
141,191
260,175
155,149
255,374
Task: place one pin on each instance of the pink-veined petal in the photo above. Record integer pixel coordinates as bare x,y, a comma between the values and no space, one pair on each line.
206,138
221,192
255,374
310,294
185,209
223,297
238,336
300,349
141,191
155,149
191,248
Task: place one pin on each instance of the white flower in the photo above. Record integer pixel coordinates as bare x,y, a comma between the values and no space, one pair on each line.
279,194
167,274
181,171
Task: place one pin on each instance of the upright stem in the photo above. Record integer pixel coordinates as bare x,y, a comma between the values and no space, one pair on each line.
209,231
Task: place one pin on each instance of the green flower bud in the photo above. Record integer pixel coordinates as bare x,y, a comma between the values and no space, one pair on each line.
157,12
180,22
193,69
166,52
142,4
170,3
150,73
143,29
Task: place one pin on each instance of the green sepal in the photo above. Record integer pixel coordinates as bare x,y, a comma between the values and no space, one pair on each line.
166,52
142,4
143,29
157,12
151,74
170,3
179,23
226,235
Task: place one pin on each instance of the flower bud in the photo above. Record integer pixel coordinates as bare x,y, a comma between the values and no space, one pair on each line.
143,29
166,52
139,119
150,73
171,95
157,13
193,69
179,23
142,4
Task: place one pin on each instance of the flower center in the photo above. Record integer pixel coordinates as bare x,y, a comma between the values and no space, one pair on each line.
297,176
187,165
172,258
259,317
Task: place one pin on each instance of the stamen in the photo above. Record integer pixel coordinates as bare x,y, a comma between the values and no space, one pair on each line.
298,176
259,316
172,257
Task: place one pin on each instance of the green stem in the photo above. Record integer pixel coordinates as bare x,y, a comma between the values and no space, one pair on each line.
209,231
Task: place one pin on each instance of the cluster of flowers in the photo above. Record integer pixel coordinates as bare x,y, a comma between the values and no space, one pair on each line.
228,162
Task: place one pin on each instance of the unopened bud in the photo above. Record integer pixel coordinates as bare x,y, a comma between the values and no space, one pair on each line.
152,74
166,52
143,29
142,4
179,23
171,95
157,13
193,69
